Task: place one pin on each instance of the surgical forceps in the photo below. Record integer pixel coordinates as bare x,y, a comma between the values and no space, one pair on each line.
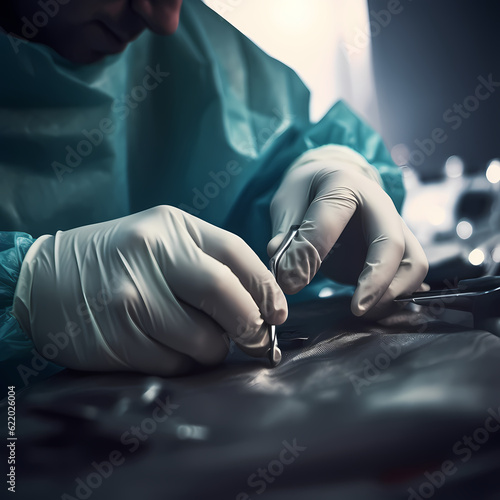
274,352
479,296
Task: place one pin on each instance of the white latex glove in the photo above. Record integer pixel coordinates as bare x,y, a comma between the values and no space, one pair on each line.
325,190
158,292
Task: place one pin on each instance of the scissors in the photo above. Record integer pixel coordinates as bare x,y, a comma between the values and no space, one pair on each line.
479,296
274,352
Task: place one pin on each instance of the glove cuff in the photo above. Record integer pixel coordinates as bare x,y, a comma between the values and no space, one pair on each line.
21,306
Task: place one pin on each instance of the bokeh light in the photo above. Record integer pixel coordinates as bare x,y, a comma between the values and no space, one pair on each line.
493,171
454,167
476,257
464,229
495,254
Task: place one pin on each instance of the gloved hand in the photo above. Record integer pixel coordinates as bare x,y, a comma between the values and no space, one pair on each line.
158,292
350,228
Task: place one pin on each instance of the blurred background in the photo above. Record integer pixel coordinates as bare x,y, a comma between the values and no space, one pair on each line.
426,76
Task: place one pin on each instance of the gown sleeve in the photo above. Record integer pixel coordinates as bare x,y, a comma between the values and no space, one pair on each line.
20,364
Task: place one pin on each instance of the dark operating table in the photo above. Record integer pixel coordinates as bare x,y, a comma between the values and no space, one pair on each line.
405,410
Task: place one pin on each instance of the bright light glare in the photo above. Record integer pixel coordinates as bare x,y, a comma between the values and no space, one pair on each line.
312,37
293,13
464,229
435,215
326,292
454,167
493,171
476,257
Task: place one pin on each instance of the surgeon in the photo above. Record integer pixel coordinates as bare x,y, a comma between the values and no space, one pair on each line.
151,158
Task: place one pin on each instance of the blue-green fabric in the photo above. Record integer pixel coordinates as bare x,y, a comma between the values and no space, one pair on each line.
202,120
13,248
16,348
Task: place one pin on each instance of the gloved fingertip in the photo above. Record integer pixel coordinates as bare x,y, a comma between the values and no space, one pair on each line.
357,310
277,314
280,316
256,343
274,243
424,287
361,302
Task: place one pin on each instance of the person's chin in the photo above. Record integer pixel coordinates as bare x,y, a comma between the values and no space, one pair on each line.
94,43
173,25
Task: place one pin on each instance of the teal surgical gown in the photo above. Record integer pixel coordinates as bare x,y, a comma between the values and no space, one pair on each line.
202,120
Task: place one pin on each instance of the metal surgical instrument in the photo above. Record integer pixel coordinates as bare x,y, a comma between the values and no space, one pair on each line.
480,296
274,352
